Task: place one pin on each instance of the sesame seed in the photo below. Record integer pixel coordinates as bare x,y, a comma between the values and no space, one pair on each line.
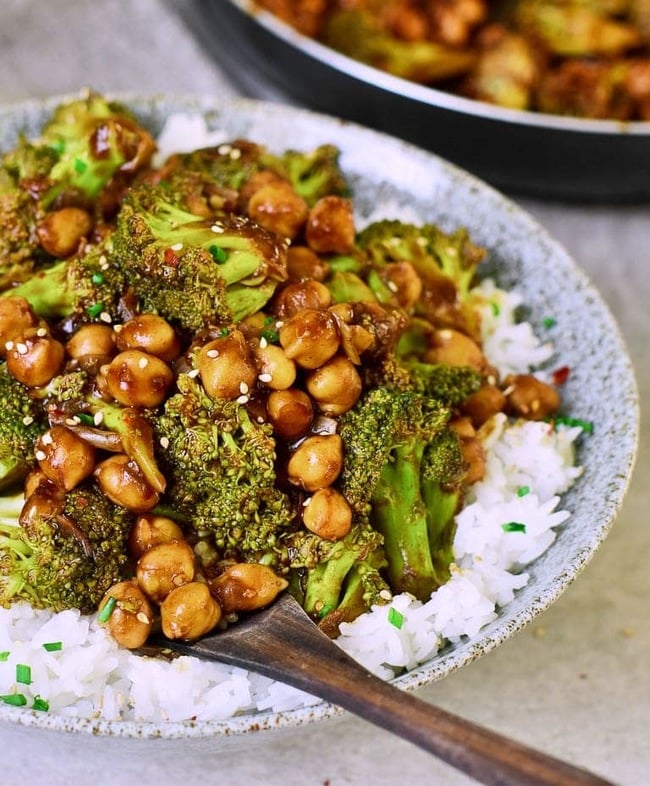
118,328
263,343
98,418
142,617
21,349
279,324
41,332
212,353
235,154
164,443
103,262
9,346
40,455
217,229
243,388
306,502
392,286
177,247
28,420
46,439
259,419
106,317
193,373
265,377
224,150
242,400
385,595
143,362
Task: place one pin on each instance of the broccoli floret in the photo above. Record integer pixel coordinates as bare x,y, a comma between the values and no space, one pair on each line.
65,558
313,174
220,467
21,423
450,385
19,253
359,35
192,270
386,438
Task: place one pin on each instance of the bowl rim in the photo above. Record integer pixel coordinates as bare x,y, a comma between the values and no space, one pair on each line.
430,96
449,659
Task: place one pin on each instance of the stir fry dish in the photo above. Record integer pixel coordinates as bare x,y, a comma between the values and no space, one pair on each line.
582,58
216,388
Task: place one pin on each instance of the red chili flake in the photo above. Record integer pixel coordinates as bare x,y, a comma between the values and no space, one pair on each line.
560,375
171,258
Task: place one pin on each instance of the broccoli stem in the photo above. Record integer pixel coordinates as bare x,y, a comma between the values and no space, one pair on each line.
399,513
325,583
48,292
11,506
441,505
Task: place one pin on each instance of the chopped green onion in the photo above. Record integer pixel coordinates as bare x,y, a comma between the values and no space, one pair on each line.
585,425
324,611
23,674
218,254
271,335
549,322
40,704
4,656
223,332
95,310
513,526
97,278
395,617
496,308
105,614
85,418
80,166
15,699
53,646
522,491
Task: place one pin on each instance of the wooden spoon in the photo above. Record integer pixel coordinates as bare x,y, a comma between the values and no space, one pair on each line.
281,642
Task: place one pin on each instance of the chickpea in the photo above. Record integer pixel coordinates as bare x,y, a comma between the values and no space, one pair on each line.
296,296
303,263
137,379
226,366
122,481
316,462
164,567
335,386
131,620
150,530
290,411
277,207
456,349
258,180
64,458
310,338
189,612
91,340
327,514
483,404
16,318
330,226
246,586
61,231
474,456
405,282
530,398
36,358
150,333
275,369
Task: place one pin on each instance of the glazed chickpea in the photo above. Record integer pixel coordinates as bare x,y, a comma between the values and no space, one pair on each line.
316,462
91,340
310,338
327,514
16,318
291,412
330,226
530,398
189,612
299,295
131,620
151,530
64,458
150,333
164,567
36,358
137,379
275,369
404,282
246,586
483,404
456,349
122,481
335,386
303,263
258,180
277,207
474,457
61,231
227,366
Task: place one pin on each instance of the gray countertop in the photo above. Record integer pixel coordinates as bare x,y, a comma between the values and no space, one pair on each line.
576,682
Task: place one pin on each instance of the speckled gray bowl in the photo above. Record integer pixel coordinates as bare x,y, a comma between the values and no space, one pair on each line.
601,387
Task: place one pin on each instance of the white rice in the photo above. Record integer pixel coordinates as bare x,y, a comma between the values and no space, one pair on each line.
529,466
